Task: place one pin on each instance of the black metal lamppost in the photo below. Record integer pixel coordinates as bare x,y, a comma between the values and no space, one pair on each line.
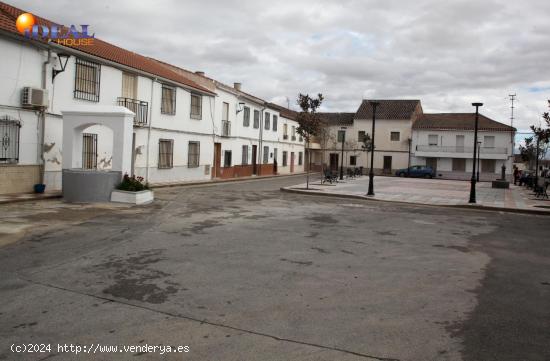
478,157
473,180
343,133
371,172
409,160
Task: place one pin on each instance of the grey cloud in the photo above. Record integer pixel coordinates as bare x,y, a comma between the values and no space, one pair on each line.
446,53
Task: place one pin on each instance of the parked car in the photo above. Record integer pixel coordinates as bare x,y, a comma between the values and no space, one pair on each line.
416,171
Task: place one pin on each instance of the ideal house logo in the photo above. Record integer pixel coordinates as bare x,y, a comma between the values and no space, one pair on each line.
70,36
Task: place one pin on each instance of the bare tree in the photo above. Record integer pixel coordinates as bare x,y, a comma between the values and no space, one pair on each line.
310,122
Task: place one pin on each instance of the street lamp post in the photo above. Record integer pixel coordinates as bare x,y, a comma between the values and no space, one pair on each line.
409,160
371,172
473,180
343,132
478,157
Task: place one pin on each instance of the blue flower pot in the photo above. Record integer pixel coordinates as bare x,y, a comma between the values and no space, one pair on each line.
39,188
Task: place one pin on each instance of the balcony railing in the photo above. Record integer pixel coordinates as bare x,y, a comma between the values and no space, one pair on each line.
285,136
455,149
226,128
293,138
140,108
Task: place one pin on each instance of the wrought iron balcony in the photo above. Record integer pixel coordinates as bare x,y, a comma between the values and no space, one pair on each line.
226,128
139,107
293,138
285,136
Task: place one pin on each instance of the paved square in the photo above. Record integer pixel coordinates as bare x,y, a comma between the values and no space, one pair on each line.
243,271
433,191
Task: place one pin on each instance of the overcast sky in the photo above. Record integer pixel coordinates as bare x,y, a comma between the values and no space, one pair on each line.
445,53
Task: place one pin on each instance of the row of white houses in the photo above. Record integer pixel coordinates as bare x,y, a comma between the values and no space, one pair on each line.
187,127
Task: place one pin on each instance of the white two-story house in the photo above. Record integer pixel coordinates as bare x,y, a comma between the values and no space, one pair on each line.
182,127
445,142
394,120
251,135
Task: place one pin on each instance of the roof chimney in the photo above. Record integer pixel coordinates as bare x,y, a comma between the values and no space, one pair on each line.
237,86
199,72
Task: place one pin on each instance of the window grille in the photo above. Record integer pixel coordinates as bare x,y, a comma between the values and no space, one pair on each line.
168,100
87,80
89,151
166,153
9,140
193,156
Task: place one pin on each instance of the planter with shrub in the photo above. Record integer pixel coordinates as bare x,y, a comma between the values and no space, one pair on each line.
133,190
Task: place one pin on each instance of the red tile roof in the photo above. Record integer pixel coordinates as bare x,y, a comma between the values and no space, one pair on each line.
388,109
337,118
102,49
459,121
284,112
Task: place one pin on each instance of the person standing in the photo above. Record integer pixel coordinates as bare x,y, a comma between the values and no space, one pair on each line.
516,175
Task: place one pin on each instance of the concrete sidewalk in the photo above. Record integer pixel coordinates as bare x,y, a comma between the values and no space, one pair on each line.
431,192
25,197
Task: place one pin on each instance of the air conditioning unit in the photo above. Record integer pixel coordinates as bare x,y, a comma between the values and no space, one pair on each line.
34,97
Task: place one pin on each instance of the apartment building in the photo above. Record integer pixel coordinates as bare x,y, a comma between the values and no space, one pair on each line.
445,142
184,129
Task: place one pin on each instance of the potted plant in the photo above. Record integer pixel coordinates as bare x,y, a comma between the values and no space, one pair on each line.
133,190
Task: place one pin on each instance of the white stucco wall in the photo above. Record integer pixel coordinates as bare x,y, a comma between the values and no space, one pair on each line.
23,67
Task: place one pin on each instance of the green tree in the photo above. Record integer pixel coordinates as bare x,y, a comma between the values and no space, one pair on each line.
310,123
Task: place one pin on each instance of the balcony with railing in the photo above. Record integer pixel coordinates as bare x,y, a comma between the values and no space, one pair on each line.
285,136
139,107
226,128
459,152
293,138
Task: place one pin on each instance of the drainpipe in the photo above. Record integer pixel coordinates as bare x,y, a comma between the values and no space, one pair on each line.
42,119
149,130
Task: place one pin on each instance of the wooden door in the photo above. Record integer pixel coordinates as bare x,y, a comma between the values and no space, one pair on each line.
217,159
291,162
254,159
333,162
274,160
387,164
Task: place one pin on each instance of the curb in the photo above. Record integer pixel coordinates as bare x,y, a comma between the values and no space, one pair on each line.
475,207
218,181
21,200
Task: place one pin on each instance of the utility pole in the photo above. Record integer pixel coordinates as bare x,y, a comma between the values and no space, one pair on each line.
512,99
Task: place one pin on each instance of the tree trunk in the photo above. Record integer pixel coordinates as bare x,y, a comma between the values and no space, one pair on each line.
308,164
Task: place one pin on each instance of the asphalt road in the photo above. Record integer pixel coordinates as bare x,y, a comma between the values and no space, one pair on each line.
242,271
